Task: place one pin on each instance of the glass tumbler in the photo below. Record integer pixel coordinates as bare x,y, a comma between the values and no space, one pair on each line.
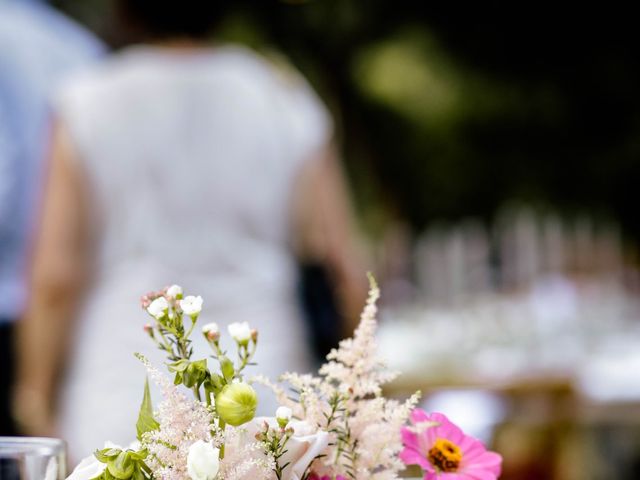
32,458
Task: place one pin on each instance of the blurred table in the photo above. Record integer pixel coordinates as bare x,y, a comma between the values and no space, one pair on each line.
565,387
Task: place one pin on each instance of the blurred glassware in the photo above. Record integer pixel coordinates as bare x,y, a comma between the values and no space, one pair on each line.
32,458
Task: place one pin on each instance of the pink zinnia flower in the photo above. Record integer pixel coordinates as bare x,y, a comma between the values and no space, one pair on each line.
444,452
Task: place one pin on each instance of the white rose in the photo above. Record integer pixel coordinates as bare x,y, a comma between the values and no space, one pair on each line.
191,305
240,332
283,416
210,328
303,447
174,291
202,461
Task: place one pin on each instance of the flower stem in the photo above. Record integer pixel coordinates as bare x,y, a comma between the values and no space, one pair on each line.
221,425
196,393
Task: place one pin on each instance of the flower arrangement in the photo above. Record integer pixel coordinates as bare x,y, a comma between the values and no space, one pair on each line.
333,426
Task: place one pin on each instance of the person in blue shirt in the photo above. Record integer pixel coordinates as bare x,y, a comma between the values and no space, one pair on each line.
38,47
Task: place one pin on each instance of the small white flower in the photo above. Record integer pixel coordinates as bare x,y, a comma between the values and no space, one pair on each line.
202,461
240,332
210,328
191,305
158,308
283,416
174,291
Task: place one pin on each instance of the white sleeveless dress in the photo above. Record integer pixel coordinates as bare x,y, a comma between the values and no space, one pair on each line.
191,160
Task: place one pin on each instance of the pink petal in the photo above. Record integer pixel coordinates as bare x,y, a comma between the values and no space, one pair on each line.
418,415
428,438
410,456
449,430
471,449
480,475
410,439
451,476
489,461
438,417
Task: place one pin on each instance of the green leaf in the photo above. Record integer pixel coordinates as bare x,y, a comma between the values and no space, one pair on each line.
227,368
179,366
139,455
121,467
146,422
106,454
138,475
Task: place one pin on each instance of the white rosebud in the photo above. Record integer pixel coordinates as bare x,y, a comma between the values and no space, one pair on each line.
174,291
283,416
158,308
202,461
191,305
240,332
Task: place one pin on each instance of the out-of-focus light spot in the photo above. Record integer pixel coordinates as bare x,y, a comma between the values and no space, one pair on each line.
408,74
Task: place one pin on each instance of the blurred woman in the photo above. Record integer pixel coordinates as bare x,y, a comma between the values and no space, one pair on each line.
176,162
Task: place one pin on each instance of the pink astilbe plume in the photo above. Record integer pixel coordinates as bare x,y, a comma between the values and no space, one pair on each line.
182,423
245,458
346,401
354,366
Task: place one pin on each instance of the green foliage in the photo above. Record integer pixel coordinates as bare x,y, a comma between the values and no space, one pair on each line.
227,368
123,464
146,422
196,374
274,441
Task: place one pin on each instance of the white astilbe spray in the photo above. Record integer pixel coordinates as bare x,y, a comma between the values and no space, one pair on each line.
346,400
182,423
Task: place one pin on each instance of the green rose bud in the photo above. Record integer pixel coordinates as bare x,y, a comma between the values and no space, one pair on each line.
236,403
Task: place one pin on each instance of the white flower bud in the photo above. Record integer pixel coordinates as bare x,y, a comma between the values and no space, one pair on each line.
240,332
174,291
202,461
210,328
158,308
283,416
191,305
211,331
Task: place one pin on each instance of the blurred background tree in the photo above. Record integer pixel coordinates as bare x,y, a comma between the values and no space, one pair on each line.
446,110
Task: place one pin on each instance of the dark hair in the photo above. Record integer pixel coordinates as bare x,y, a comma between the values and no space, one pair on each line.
160,19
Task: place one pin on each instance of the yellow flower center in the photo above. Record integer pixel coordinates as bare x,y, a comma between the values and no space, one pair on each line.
445,456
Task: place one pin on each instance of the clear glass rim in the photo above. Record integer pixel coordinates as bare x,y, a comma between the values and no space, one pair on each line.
41,446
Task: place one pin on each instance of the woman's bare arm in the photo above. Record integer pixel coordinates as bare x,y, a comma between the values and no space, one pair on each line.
59,271
324,231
